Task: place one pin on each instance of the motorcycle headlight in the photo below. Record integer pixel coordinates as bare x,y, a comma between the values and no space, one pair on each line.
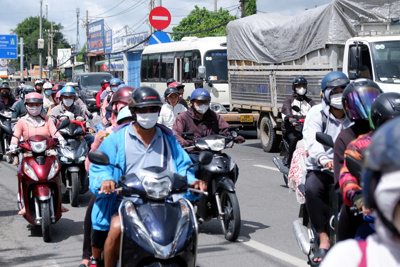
27,169
38,147
81,159
53,170
63,159
216,144
66,153
157,188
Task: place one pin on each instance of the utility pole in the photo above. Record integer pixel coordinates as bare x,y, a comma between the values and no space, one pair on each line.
215,5
242,8
87,41
21,50
40,40
73,58
151,6
77,28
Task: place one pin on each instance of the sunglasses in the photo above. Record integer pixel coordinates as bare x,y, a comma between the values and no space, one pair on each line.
151,109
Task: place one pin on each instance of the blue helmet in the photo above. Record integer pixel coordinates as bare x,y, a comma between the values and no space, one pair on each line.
334,79
115,81
123,114
200,94
121,85
67,91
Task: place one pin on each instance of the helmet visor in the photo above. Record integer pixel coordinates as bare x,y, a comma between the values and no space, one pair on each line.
342,82
359,102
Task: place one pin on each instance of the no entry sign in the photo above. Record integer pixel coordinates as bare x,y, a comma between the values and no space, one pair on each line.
160,18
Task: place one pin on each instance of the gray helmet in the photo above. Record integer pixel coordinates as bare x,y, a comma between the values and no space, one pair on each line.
145,96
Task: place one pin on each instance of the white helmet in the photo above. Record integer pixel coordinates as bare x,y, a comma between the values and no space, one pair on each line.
47,85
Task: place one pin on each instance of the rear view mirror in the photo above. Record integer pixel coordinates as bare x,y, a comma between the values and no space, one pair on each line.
63,124
205,157
324,139
354,166
99,158
202,72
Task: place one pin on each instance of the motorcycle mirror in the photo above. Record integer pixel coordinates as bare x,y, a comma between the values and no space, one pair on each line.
354,166
109,108
324,139
205,157
63,124
6,129
296,108
99,158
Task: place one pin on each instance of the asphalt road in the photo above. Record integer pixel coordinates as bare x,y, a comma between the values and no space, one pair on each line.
267,210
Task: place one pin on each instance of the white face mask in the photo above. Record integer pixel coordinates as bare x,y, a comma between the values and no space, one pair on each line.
336,101
68,102
301,90
34,111
147,120
202,108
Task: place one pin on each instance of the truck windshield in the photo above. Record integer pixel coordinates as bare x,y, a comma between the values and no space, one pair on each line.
94,80
216,65
386,56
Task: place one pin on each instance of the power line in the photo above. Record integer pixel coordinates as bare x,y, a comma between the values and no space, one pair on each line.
109,9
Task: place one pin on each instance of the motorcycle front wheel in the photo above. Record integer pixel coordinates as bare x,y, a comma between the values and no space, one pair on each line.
74,191
46,220
231,219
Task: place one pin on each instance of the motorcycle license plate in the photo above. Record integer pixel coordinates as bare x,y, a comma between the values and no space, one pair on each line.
246,118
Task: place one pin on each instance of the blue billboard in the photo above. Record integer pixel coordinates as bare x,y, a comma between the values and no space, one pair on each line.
8,46
96,42
108,41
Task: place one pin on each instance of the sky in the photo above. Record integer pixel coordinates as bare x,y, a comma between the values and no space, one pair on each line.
133,13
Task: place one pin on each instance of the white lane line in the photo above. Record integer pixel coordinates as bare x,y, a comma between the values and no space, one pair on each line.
267,167
274,252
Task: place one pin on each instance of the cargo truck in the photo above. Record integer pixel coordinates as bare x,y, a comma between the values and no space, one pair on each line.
266,51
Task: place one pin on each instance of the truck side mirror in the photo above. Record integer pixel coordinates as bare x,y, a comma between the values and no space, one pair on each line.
355,59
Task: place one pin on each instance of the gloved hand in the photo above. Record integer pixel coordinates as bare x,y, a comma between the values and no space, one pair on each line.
13,148
62,142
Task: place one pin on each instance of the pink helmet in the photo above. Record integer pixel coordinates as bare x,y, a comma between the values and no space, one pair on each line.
33,98
58,96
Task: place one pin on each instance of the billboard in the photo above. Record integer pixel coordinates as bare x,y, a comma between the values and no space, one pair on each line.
131,42
108,41
3,68
96,43
118,40
63,57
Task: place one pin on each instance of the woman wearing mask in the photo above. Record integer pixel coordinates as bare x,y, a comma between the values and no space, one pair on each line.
47,99
172,108
34,123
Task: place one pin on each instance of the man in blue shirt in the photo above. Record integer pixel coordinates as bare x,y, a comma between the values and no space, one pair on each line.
149,145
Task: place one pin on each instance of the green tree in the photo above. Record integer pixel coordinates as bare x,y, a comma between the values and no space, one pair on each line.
201,20
29,30
250,7
79,57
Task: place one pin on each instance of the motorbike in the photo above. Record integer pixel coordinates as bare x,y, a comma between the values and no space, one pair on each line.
305,233
72,157
220,175
39,176
5,119
158,225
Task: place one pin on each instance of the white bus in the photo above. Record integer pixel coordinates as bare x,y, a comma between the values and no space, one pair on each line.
181,61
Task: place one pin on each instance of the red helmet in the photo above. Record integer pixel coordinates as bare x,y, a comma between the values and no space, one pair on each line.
122,94
177,85
33,98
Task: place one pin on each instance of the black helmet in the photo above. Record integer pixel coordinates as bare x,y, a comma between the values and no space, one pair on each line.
171,90
298,81
145,96
357,98
381,157
123,94
385,107
5,86
170,80
104,81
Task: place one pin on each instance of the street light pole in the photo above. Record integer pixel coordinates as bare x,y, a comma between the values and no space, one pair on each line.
40,38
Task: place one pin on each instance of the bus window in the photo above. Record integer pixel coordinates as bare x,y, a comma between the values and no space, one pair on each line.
216,65
153,68
143,68
191,61
167,66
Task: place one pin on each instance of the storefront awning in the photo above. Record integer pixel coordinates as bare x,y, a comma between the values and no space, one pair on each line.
101,62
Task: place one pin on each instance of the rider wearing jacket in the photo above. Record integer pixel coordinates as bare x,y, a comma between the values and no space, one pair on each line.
104,84
171,109
330,121
6,98
149,145
34,123
381,194
385,107
292,131
19,108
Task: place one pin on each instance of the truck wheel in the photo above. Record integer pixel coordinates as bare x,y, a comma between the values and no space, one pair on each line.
268,137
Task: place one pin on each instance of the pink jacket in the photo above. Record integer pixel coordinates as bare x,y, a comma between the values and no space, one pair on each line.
25,130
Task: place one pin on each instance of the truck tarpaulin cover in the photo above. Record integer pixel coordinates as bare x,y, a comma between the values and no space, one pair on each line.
274,38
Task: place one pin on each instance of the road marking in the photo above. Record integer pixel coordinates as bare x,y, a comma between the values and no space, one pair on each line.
274,252
267,167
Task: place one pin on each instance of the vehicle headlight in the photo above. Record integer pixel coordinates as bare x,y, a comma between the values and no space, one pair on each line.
63,159
65,152
53,170
27,169
81,158
157,188
38,147
216,144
